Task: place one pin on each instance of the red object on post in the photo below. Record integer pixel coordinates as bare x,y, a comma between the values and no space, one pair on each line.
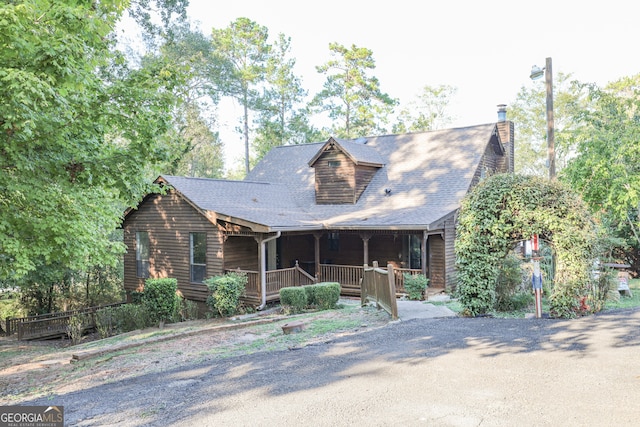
534,242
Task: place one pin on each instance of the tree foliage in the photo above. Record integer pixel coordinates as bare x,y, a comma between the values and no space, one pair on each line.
606,168
529,113
280,119
428,111
353,98
504,209
78,129
241,53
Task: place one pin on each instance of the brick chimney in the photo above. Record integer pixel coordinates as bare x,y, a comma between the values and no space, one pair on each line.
506,131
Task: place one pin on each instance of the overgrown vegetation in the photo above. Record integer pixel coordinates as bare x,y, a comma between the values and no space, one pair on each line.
322,296
504,209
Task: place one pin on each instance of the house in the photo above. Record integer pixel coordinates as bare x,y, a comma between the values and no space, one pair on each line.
318,212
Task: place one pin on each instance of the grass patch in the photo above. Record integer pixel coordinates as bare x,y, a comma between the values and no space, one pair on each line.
626,301
623,302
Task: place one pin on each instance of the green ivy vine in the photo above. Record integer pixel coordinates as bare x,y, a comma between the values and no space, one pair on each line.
506,208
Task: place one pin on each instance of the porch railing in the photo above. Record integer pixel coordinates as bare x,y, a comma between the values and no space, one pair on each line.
349,277
276,280
51,324
378,285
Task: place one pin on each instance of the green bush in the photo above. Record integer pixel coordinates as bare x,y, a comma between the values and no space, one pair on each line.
294,299
106,321
137,297
514,302
131,317
415,285
323,295
185,310
160,298
226,291
509,284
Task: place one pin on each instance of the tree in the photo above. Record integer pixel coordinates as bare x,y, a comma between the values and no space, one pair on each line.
241,52
529,112
428,111
606,168
352,98
280,119
196,149
78,131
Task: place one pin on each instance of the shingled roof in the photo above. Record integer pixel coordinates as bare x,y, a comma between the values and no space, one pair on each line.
424,177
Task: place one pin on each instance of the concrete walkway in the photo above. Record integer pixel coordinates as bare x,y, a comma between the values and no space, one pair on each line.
422,310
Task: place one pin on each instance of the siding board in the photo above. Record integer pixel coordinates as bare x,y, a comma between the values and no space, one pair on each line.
168,219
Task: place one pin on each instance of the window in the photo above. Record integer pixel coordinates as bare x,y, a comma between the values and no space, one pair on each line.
415,251
198,256
334,242
142,254
333,163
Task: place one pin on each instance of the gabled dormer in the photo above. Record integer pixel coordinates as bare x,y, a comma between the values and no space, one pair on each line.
343,169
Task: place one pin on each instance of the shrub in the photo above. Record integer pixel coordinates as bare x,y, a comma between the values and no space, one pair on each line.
415,285
226,291
106,321
294,299
185,310
603,287
160,298
137,297
324,295
514,302
131,317
75,328
509,284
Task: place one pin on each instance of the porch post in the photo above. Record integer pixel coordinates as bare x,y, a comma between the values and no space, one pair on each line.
316,253
365,247
423,252
262,241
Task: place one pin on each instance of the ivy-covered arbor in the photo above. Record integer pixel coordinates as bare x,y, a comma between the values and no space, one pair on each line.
507,208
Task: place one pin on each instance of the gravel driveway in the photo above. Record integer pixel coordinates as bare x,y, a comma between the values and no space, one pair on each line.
423,372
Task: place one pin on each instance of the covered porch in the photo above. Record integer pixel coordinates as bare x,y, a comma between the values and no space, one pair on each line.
303,258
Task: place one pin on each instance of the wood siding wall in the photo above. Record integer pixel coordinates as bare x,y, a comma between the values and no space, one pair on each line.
437,262
450,254
491,163
168,219
335,185
364,175
507,136
241,252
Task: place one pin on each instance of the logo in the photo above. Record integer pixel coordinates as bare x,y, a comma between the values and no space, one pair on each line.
31,416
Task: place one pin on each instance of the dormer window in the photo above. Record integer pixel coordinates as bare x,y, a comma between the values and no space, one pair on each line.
343,169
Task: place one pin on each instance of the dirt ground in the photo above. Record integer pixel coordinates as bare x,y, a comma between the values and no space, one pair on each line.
35,369
422,372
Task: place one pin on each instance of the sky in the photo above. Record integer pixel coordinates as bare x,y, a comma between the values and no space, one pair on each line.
484,48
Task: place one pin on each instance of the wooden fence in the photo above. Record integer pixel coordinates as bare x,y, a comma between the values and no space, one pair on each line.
378,285
50,325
